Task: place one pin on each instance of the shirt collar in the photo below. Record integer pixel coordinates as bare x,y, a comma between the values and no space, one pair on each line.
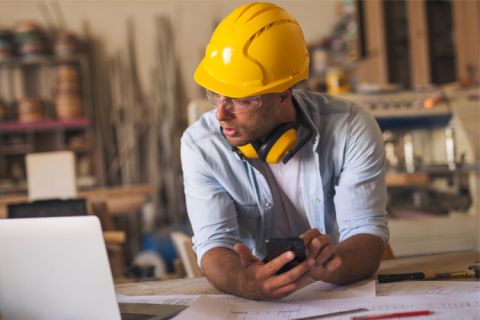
305,117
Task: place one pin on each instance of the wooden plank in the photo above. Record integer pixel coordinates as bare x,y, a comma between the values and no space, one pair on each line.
373,68
466,19
406,179
418,35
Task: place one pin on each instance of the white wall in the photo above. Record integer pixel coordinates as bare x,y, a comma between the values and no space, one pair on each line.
194,23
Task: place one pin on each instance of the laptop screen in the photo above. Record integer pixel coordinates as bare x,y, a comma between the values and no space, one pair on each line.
55,268
48,208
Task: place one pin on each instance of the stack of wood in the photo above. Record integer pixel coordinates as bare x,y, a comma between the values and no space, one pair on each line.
139,134
68,104
168,121
30,110
66,44
31,40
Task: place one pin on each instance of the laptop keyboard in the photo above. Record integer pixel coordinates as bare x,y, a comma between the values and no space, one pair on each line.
135,316
142,311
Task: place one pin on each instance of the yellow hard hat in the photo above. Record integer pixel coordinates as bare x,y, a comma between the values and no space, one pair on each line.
258,48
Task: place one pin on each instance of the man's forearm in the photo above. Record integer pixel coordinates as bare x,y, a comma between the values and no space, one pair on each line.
361,256
224,270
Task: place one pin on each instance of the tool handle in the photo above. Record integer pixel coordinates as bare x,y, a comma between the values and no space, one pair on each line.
382,278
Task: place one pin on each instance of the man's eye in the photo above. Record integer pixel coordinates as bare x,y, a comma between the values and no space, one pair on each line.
242,102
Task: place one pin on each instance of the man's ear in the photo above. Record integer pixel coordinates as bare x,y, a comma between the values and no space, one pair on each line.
285,95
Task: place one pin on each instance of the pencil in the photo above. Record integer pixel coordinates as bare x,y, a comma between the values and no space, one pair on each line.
394,315
382,278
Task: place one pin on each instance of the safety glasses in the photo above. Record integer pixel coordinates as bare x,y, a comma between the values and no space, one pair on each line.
235,105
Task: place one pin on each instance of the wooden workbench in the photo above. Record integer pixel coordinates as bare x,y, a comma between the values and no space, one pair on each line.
119,200
443,262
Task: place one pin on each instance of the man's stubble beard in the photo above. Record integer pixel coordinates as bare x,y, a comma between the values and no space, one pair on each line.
258,130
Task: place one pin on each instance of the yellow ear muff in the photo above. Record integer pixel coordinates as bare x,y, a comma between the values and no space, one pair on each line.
248,151
281,146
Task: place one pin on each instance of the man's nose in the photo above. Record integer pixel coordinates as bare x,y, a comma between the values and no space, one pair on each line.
222,112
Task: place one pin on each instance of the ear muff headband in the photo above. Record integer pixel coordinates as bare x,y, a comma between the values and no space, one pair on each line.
275,147
278,143
299,146
282,147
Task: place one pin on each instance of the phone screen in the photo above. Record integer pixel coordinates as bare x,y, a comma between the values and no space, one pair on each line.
276,247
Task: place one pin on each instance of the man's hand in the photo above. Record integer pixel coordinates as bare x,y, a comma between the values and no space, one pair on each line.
262,280
243,274
355,258
323,252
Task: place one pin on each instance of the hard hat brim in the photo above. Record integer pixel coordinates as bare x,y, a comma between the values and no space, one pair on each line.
204,79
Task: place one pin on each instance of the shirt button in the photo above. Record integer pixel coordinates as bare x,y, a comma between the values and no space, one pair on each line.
268,205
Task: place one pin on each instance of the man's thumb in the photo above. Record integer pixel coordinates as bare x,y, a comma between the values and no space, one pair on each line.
246,256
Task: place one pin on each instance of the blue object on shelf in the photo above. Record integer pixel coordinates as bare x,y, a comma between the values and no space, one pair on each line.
161,243
416,122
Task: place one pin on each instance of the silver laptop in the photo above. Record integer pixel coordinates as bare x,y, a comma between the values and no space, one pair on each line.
55,268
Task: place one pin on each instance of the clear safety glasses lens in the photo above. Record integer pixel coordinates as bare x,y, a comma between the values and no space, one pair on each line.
235,105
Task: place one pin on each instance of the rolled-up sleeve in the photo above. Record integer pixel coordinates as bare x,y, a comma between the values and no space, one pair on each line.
210,208
360,194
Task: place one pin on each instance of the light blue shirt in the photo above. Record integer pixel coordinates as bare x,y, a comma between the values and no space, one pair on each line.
229,200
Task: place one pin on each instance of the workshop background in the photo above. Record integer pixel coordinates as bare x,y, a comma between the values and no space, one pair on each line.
111,82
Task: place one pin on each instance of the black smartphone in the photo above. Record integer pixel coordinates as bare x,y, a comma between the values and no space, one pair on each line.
276,247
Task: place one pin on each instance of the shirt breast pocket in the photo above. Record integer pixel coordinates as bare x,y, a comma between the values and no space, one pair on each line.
249,210
249,219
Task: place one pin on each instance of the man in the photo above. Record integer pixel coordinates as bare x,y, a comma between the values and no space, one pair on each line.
272,162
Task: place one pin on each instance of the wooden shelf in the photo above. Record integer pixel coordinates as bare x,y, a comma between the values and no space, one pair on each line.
119,199
37,76
40,60
403,179
17,149
46,125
